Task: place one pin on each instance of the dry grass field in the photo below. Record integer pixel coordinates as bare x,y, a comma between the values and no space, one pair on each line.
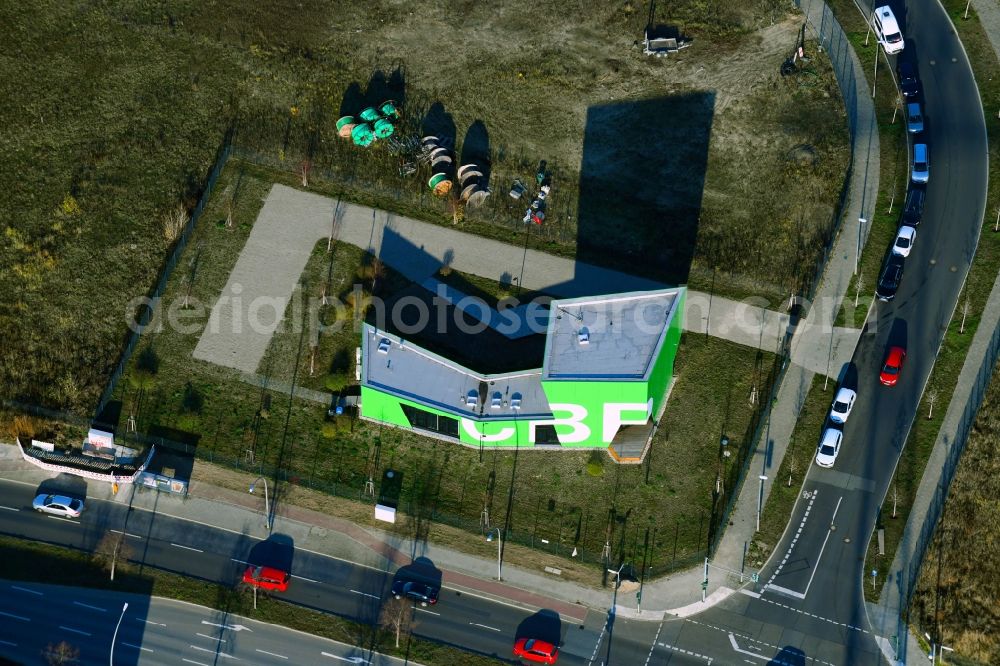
115,111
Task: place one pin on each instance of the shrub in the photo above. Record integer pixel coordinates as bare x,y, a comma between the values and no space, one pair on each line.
335,382
192,401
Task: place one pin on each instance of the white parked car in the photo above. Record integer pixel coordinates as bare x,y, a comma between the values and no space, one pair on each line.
843,403
829,447
905,238
58,505
887,30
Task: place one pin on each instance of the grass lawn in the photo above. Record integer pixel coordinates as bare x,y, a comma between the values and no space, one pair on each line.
893,168
559,498
116,112
56,565
792,472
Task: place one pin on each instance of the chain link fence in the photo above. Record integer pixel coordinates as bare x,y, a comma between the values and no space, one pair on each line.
954,453
145,312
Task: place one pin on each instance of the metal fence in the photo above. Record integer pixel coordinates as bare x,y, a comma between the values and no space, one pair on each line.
145,314
954,453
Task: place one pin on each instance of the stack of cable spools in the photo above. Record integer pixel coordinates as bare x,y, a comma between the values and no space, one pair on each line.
442,161
372,123
474,180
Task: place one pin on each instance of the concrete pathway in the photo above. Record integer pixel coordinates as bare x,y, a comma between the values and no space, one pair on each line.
291,222
885,615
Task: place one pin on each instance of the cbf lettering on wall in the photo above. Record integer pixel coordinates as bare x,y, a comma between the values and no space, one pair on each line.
572,423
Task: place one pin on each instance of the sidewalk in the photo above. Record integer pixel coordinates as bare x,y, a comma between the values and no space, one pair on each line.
885,615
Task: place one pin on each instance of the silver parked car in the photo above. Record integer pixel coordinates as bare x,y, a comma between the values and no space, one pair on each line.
58,505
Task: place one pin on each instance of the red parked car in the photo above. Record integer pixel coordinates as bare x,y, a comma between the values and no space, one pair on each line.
538,651
266,578
892,366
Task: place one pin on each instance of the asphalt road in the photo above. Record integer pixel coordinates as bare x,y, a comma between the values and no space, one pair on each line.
318,581
810,607
153,631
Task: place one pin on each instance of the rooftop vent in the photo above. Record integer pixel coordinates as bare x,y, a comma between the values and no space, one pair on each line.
383,345
515,401
497,400
472,399
583,336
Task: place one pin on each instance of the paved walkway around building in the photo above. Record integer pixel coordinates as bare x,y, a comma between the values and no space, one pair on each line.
291,222
885,616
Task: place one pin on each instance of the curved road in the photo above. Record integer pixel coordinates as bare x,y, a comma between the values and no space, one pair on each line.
810,605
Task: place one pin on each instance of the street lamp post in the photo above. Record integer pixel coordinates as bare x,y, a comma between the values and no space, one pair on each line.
760,498
111,657
267,507
489,537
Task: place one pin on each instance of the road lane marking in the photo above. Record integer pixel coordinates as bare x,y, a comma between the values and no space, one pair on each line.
818,617
279,656
8,643
484,626
128,534
732,634
8,508
24,589
158,624
96,608
212,638
234,627
836,509
600,638
215,652
196,663
365,594
785,590
674,648
352,660
308,580
65,520
424,610
16,617
750,593
177,545
233,559
75,631
137,647
653,646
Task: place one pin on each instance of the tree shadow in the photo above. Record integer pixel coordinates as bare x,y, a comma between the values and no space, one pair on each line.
476,153
641,183
544,625
438,122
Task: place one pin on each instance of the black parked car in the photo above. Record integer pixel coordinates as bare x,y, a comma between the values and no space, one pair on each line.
890,277
909,82
913,207
421,592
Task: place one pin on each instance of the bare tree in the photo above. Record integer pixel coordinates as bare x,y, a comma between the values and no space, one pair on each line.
304,169
397,616
859,284
965,313
932,396
174,222
60,654
111,548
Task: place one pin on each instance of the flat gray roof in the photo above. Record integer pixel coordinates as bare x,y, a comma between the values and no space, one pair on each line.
400,368
614,337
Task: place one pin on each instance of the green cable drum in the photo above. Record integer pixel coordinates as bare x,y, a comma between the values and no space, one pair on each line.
362,135
436,180
344,120
369,115
383,128
388,109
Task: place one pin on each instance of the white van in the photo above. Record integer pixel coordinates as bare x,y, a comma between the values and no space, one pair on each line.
887,30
